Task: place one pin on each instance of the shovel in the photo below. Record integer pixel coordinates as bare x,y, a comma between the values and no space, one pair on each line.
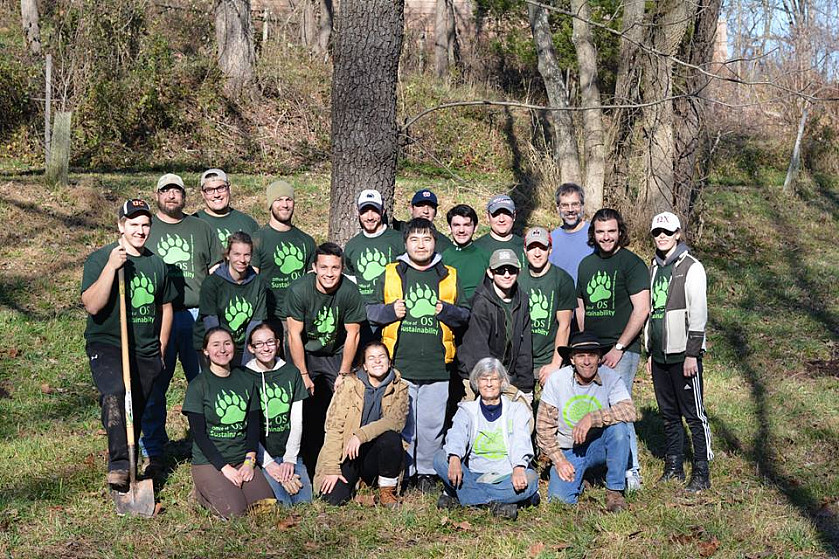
139,500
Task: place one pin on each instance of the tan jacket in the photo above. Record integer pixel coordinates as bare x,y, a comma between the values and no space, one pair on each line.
343,420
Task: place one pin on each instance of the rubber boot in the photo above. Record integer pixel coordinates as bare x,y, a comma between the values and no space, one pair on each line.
673,468
700,477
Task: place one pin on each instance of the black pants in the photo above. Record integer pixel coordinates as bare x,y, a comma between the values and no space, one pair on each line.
106,367
323,370
677,397
382,456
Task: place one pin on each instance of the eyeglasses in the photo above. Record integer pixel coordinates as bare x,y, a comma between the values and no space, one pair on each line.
489,379
216,190
571,206
267,343
506,270
657,232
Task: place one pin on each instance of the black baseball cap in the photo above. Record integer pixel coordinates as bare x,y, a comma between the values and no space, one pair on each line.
133,207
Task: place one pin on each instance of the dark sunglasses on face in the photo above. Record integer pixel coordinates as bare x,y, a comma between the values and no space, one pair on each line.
506,270
657,232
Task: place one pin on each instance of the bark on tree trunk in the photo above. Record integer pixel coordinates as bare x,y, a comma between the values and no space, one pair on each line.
324,26
235,43
308,25
564,134
364,130
595,150
690,112
29,20
795,159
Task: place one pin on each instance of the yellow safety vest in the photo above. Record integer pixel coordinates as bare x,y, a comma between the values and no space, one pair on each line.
446,291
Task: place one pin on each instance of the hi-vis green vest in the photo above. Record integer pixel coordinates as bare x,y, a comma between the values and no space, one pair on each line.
446,291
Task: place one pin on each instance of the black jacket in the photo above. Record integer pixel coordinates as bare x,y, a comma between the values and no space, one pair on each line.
487,336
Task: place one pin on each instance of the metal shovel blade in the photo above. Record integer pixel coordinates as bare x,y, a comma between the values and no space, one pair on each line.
137,501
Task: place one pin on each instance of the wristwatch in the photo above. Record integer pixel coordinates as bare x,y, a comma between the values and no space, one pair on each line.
620,347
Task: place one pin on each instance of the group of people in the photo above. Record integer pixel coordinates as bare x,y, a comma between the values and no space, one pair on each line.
404,359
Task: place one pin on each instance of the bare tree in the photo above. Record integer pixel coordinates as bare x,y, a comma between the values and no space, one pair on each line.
29,19
564,134
364,130
235,42
444,36
324,26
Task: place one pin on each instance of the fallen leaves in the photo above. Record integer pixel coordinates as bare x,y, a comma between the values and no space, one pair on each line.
537,548
707,544
464,526
46,388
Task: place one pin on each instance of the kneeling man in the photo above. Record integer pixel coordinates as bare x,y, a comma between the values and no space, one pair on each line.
583,422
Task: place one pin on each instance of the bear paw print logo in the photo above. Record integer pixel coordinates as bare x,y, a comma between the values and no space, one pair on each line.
599,287
223,235
421,301
325,324
173,249
277,401
538,305
371,264
238,313
142,290
660,293
230,408
289,258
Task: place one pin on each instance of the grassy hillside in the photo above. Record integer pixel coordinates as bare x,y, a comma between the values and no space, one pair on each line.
772,376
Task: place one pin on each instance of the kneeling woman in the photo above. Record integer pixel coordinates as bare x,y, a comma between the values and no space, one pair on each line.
363,427
222,406
281,395
487,454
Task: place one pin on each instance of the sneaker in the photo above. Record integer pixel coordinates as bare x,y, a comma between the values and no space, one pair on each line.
615,501
446,501
510,511
426,484
118,479
534,500
633,480
388,498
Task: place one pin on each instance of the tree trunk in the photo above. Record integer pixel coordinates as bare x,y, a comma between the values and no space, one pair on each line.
690,112
564,135
235,43
595,150
308,25
443,36
59,162
324,26
657,140
364,130
29,20
795,159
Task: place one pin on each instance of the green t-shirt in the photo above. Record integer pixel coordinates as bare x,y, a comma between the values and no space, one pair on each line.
190,247
324,314
420,354
282,257
546,295
471,263
490,244
235,305
230,223
224,403
147,286
661,287
605,285
283,387
366,258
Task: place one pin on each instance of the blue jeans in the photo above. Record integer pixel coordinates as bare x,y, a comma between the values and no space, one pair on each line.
471,493
626,369
302,496
610,448
180,344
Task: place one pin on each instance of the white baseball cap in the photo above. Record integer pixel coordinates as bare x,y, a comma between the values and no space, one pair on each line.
667,221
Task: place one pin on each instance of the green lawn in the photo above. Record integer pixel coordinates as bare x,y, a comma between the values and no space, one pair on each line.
772,385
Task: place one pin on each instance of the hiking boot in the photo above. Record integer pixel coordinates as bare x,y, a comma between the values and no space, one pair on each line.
615,501
673,468
700,477
388,498
155,467
426,484
118,479
446,501
510,511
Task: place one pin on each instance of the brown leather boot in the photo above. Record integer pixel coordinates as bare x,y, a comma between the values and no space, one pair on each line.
615,501
388,498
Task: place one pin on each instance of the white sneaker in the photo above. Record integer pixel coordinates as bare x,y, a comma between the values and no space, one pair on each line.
633,480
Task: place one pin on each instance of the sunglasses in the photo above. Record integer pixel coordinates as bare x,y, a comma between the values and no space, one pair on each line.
657,232
506,270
